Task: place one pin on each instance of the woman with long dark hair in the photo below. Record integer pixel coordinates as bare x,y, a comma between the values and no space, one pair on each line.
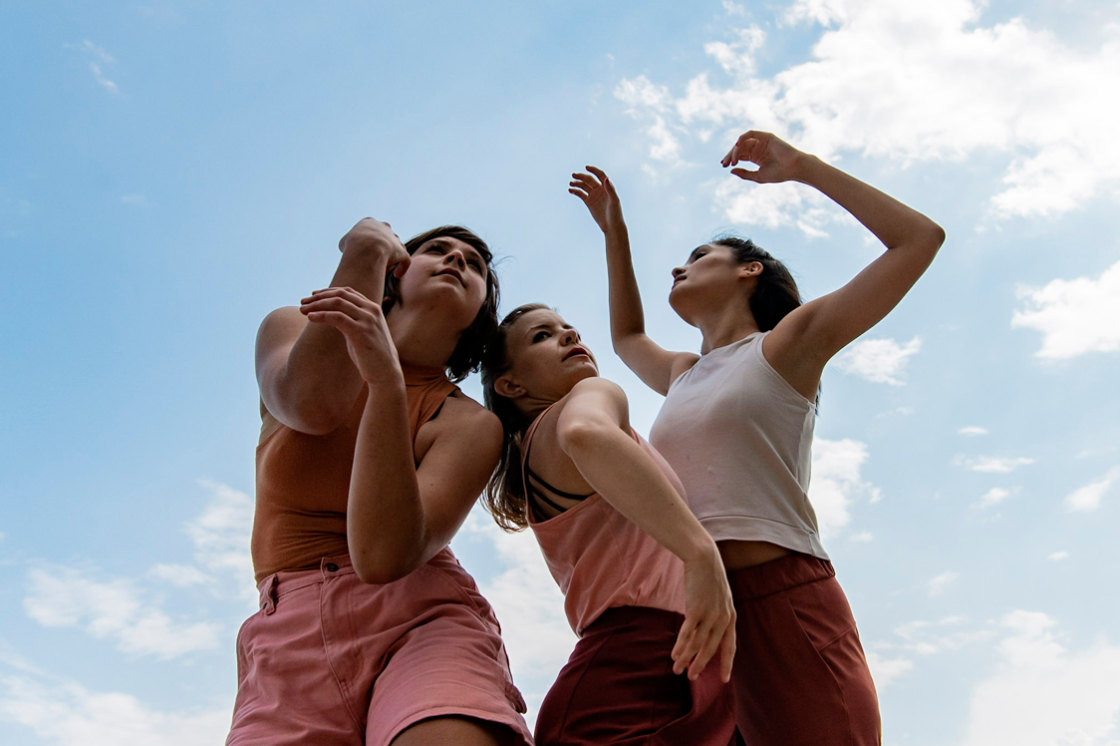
644,587
737,426
369,461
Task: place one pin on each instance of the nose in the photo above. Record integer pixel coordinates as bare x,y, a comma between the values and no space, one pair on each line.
571,336
455,256
677,272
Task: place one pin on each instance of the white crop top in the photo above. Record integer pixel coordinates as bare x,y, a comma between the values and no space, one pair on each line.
739,437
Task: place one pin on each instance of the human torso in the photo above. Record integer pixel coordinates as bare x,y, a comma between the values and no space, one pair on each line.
598,557
303,481
739,437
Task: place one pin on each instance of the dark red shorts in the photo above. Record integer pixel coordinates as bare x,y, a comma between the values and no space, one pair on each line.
801,678
619,688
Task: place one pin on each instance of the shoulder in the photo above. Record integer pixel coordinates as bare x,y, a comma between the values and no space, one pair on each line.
283,322
463,417
597,386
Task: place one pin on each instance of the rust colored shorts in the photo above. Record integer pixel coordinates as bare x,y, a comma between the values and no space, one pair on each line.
619,688
329,660
801,678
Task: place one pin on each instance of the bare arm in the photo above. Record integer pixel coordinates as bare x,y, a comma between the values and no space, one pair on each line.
804,341
400,514
656,366
306,377
593,430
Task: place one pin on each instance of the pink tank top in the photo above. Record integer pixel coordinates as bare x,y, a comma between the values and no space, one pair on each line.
600,559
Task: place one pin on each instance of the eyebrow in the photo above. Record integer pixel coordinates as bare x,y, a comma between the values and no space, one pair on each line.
546,327
475,253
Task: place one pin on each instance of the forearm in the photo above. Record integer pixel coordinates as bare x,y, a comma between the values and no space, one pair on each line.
385,523
892,222
320,378
627,317
625,476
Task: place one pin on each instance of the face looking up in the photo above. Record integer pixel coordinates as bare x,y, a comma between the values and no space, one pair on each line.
448,273
546,358
711,278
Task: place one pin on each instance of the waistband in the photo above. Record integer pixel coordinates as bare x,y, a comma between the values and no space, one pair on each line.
633,616
778,575
273,586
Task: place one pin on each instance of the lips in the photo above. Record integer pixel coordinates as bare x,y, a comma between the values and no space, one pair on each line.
453,272
576,351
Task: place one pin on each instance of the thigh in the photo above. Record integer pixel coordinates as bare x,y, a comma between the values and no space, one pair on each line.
800,673
451,666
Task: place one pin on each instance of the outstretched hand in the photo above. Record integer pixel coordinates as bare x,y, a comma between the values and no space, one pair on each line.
709,619
597,192
776,159
361,322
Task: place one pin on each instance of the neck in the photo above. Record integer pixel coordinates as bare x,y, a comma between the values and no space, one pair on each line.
532,407
724,326
423,336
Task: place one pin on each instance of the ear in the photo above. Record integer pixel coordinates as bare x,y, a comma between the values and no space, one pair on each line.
508,388
750,269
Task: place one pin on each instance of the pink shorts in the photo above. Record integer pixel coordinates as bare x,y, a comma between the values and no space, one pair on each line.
331,660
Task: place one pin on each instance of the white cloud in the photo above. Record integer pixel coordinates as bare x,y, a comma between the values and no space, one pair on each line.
994,496
66,597
836,482
100,57
1059,556
181,576
221,535
862,537
1088,498
992,464
900,411
878,360
936,586
529,606
972,431
886,670
931,638
1041,694
1074,316
913,82
63,712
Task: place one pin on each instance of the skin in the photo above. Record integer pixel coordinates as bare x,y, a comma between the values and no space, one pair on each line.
710,290
404,505
584,444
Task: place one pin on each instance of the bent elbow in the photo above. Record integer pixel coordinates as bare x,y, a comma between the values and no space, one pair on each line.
582,435
374,570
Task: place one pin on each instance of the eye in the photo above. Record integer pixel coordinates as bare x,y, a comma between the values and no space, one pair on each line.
477,265
438,248
541,335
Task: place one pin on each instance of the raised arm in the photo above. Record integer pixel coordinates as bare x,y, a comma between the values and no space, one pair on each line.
593,429
306,377
808,337
399,514
656,366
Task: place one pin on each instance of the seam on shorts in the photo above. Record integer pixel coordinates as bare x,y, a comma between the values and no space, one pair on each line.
343,688
583,673
824,662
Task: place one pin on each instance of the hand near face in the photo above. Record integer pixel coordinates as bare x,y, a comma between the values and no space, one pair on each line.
597,192
370,235
776,159
361,322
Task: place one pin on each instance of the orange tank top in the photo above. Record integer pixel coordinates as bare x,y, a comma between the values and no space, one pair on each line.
600,559
303,481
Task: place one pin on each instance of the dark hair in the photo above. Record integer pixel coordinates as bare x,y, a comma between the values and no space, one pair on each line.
775,294
505,494
467,355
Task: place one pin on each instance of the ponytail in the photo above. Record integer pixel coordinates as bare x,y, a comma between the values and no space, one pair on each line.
775,293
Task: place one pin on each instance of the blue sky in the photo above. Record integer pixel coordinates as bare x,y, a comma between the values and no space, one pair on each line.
170,172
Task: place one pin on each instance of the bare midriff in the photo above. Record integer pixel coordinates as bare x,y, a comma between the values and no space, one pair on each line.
739,554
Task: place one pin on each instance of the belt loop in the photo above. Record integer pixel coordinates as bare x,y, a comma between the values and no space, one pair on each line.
268,595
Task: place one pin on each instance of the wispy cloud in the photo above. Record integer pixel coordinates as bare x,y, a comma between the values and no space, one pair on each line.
113,609
61,711
99,57
992,464
1075,317
1088,498
972,431
937,586
1042,694
994,496
1059,556
886,670
910,82
878,360
863,537
837,482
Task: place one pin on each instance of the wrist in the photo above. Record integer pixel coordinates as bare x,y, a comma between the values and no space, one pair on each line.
702,550
806,167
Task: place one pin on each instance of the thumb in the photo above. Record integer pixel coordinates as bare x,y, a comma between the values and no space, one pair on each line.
747,175
402,267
